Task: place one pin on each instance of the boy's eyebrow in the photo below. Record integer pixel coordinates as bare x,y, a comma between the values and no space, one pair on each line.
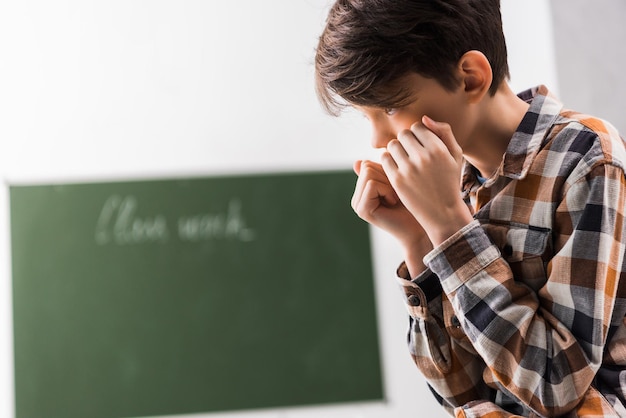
399,94
402,98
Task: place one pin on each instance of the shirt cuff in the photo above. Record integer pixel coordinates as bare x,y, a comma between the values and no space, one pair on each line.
462,256
420,290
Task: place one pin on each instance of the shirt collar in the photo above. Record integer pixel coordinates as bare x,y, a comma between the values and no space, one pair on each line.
526,141
529,136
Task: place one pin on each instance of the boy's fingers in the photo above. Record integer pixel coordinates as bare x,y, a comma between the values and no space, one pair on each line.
364,171
410,141
375,195
372,188
372,168
357,166
444,132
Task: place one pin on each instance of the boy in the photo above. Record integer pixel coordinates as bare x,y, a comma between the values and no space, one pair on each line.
515,287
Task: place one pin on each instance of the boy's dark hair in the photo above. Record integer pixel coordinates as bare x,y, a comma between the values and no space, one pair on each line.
368,46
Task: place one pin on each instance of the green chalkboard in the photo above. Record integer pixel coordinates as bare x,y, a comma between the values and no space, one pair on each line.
175,296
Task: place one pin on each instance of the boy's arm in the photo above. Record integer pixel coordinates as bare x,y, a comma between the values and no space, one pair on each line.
423,165
452,368
546,353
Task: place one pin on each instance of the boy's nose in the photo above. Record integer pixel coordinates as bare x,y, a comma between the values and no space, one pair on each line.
381,135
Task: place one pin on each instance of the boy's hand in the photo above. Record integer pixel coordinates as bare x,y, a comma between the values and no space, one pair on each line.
376,202
424,166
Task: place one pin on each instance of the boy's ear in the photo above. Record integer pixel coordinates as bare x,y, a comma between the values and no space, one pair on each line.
476,75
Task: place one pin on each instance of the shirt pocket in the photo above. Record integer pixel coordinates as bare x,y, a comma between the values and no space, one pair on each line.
526,249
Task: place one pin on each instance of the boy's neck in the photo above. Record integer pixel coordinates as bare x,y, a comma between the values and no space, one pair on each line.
500,116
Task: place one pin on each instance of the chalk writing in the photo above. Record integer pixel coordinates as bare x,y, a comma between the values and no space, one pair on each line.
120,223
230,225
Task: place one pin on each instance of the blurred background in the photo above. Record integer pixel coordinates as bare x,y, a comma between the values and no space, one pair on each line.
94,90
588,39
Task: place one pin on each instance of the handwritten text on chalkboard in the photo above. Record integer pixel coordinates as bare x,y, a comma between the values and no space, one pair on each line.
119,223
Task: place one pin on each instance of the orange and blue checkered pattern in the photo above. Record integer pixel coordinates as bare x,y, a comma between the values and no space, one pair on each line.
522,312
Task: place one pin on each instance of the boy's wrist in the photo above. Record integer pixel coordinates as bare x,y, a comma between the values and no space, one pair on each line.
454,222
414,253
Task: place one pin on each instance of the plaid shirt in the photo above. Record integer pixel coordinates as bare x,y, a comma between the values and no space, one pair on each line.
522,312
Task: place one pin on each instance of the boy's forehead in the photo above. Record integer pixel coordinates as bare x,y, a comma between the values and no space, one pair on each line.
402,91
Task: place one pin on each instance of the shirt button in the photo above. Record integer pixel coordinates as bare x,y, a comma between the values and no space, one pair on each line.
414,300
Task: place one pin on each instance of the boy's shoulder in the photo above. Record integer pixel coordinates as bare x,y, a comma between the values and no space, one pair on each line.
594,139
553,141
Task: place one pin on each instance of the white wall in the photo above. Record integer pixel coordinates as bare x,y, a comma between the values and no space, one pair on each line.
121,89
591,58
